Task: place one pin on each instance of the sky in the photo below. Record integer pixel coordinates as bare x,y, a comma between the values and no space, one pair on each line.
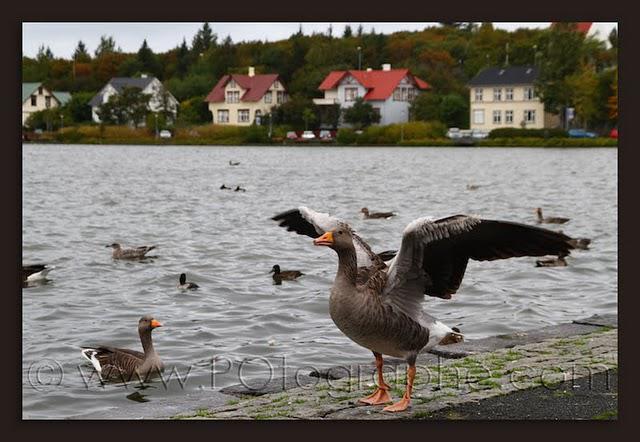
63,38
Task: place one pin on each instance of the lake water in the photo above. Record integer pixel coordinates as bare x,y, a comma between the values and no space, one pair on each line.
77,199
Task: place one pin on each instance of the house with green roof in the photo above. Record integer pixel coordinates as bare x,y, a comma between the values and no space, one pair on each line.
36,97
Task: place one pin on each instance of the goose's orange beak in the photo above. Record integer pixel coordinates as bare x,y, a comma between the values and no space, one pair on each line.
324,240
155,324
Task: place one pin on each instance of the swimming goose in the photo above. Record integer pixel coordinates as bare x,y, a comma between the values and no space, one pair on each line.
553,262
223,187
122,364
239,189
550,220
378,306
284,275
137,253
35,272
375,215
473,186
234,163
184,285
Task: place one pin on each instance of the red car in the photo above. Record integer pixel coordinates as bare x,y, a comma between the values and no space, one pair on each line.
613,133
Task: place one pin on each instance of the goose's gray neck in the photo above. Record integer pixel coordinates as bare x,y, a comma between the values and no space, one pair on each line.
347,268
147,343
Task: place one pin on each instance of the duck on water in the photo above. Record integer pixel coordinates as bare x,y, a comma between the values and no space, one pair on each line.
378,305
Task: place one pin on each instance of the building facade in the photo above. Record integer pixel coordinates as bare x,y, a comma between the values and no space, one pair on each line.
241,100
389,91
36,97
159,97
506,97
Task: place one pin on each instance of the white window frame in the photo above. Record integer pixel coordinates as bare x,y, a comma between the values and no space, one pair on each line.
476,113
268,97
233,97
244,116
497,94
47,101
529,116
529,94
508,94
223,115
497,117
478,94
350,93
508,117
281,97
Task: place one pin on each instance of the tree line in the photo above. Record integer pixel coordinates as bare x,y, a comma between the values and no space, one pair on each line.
576,70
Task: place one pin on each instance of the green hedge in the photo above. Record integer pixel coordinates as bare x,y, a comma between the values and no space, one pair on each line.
511,132
393,133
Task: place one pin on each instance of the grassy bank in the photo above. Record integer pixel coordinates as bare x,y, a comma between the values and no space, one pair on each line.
411,134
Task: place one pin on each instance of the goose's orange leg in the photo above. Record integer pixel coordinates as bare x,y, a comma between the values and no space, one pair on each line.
404,403
381,394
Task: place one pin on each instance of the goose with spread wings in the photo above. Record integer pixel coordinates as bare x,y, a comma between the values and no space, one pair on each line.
378,305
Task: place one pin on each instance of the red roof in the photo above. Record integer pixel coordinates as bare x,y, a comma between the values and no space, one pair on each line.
255,87
580,26
379,84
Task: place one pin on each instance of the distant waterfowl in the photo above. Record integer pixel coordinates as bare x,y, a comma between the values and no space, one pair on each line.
137,253
284,275
184,285
35,272
223,187
473,186
378,306
122,364
375,215
239,189
553,262
581,243
234,163
550,220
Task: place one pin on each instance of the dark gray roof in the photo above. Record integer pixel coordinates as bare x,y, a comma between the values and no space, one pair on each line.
119,83
505,75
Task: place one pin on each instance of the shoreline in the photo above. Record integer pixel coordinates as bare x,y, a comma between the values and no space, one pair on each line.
570,368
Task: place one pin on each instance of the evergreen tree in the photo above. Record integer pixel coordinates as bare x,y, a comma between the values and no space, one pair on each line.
360,31
182,59
147,59
107,45
44,54
81,55
347,32
203,40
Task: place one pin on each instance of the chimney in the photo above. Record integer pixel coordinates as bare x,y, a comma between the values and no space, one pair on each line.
386,67
252,71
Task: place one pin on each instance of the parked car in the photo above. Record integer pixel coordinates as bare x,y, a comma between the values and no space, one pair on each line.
453,133
165,134
325,135
308,135
291,135
479,134
581,133
613,133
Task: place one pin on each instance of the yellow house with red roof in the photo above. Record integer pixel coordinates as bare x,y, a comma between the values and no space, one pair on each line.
241,100
389,91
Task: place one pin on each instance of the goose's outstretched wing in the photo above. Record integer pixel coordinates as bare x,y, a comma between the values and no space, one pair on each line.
434,254
305,221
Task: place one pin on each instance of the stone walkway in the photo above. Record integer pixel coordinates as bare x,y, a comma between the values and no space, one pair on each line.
468,376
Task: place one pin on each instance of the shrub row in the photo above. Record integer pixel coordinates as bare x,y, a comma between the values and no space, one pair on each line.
511,132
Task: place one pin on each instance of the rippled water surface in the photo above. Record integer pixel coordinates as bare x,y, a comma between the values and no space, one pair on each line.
77,199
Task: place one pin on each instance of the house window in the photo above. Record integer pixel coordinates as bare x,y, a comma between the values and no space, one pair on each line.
40,90
508,116
508,94
478,116
258,117
34,101
350,93
530,116
497,94
529,94
268,97
281,97
376,110
243,115
232,84
478,94
497,117
412,93
223,116
233,96
47,101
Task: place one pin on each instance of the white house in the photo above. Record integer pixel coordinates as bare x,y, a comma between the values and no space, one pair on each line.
148,85
505,97
36,97
389,91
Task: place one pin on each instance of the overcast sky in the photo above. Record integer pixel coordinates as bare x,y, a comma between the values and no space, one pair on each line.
62,38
